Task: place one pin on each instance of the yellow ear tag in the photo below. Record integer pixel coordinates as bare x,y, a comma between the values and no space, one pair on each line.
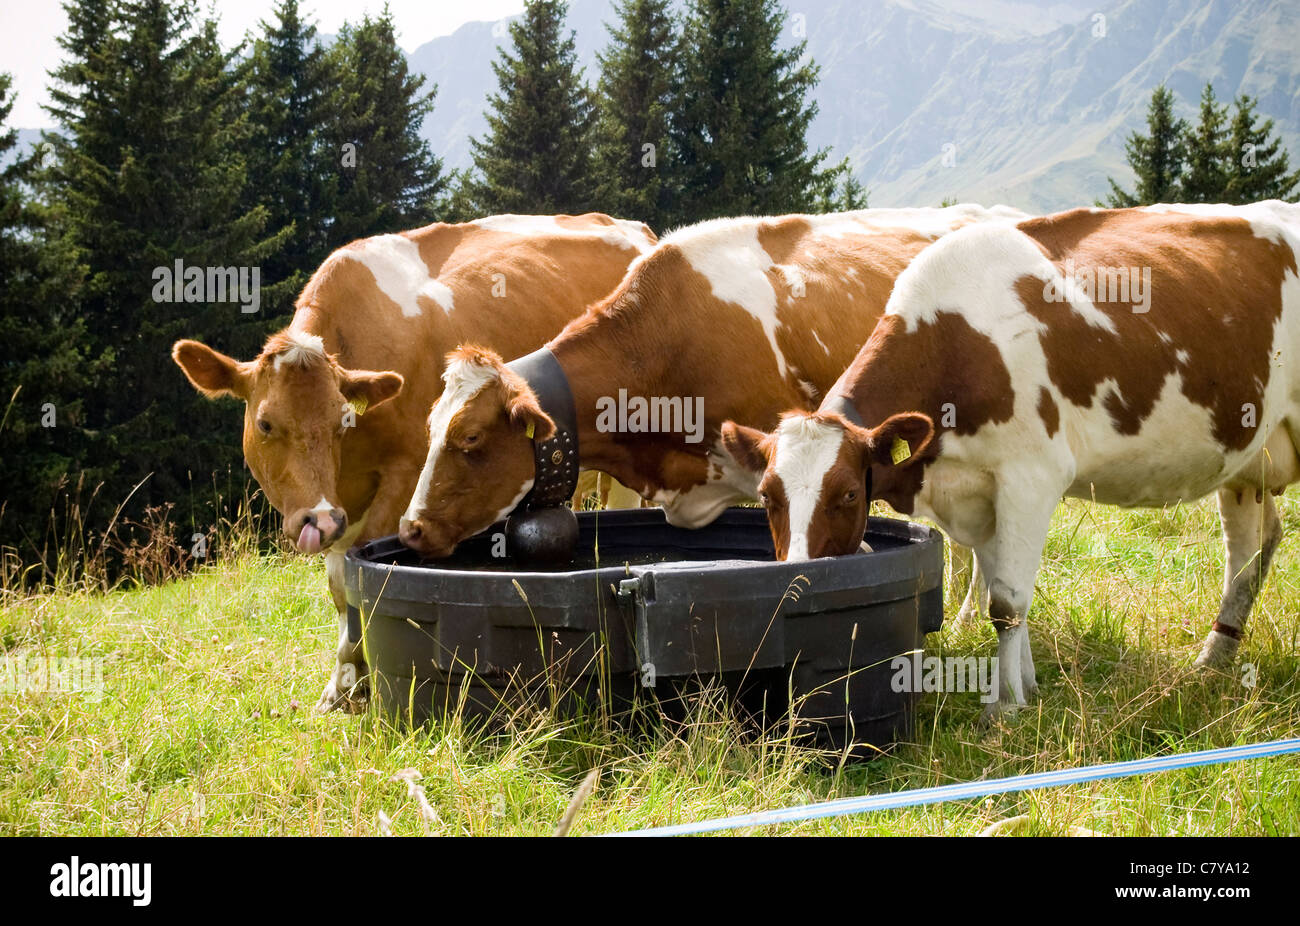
530,430
359,405
899,450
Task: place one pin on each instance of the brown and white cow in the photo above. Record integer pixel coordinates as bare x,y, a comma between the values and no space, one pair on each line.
335,404
731,318
1137,357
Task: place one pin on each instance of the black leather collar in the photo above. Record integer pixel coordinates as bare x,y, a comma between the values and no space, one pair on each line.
555,461
843,405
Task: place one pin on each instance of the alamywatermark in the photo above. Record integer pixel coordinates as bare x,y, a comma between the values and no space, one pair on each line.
1101,284
33,674
914,672
624,414
76,878
180,283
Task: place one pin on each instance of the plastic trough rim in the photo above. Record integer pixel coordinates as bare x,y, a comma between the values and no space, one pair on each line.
913,534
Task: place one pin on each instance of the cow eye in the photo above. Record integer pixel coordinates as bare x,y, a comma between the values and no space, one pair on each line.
470,441
850,496
263,425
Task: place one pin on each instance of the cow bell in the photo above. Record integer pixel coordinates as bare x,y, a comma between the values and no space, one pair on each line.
547,536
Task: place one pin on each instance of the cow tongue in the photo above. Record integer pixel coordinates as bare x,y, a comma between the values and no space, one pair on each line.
309,539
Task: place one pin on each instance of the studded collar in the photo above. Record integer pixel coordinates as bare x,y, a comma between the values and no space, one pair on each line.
555,461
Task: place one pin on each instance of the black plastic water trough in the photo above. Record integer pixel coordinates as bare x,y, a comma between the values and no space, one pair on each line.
663,608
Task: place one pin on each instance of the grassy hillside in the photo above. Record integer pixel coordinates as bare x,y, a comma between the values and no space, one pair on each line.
206,724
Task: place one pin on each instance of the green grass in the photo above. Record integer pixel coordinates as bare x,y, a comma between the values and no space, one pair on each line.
206,724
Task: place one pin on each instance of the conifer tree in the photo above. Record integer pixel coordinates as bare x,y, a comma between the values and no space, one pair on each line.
851,195
290,171
44,368
846,195
389,180
634,95
741,115
150,171
537,155
1156,158
458,206
1205,179
1255,162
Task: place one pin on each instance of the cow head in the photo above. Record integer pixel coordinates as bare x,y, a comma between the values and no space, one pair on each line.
817,473
480,463
296,415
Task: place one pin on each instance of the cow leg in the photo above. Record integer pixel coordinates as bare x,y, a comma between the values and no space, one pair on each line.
616,495
1009,561
1028,675
348,685
588,484
964,578
961,560
1251,531
609,492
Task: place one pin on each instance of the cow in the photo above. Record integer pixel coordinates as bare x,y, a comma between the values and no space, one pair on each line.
1138,357
335,403
731,318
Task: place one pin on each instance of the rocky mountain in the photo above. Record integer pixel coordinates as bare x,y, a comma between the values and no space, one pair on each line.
988,100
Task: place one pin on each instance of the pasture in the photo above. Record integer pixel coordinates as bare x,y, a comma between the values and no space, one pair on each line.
206,723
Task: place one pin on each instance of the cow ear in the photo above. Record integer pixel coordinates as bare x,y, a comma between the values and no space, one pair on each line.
526,412
900,440
368,388
212,372
747,446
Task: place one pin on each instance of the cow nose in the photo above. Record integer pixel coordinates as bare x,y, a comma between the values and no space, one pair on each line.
410,532
331,523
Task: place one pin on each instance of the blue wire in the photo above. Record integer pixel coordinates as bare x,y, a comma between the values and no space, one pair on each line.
983,788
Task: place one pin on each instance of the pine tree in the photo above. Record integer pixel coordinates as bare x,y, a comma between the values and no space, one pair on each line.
150,171
44,368
740,115
88,145
846,195
1157,159
389,180
537,156
852,195
459,203
634,97
289,88
1206,180
1255,161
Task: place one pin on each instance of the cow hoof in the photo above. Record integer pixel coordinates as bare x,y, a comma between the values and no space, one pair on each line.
1218,652
329,699
354,701
999,711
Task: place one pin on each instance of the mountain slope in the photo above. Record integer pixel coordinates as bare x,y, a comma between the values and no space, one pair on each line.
1035,102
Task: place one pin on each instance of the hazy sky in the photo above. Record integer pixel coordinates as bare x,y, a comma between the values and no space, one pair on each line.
28,29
